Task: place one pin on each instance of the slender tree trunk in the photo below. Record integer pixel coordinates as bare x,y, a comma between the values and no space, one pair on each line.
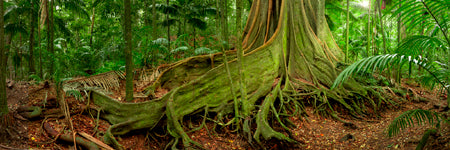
368,31
92,27
3,98
347,26
128,51
224,22
168,26
399,25
9,62
385,51
154,33
41,74
31,47
50,36
195,44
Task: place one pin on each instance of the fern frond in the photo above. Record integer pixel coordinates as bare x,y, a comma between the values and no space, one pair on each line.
180,49
408,118
76,94
204,50
160,41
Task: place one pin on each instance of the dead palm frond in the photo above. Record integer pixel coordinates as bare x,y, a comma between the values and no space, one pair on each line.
108,80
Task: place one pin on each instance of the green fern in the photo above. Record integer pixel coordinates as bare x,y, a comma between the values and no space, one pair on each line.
204,50
408,118
75,93
160,41
180,49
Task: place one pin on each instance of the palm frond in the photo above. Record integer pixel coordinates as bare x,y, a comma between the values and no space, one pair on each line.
166,9
419,45
424,13
107,80
15,27
408,118
197,23
381,62
77,6
61,24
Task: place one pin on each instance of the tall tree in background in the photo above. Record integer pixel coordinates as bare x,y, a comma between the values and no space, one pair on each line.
368,30
128,50
154,33
383,34
50,34
168,25
3,100
33,20
347,26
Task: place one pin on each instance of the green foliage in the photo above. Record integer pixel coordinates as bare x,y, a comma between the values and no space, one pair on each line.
388,62
421,45
75,93
204,50
416,13
408,118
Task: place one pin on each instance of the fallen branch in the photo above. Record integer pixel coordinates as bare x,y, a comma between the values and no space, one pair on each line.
69,138
6,147
98,142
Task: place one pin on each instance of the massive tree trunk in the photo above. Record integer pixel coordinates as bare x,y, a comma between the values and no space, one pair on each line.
290,55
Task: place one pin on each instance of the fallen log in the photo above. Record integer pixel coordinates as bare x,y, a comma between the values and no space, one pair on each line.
69,138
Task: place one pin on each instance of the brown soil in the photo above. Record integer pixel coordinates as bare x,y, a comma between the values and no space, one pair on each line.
315,132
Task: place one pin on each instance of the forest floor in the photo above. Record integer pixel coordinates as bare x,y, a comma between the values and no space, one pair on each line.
315,132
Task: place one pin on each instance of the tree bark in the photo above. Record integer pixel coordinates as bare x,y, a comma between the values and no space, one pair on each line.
347,27
155,52
50,35
31,47
385,50
369,41
3,99
168,26
92,28
128,51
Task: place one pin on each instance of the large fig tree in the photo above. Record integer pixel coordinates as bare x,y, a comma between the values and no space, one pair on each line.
291,59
